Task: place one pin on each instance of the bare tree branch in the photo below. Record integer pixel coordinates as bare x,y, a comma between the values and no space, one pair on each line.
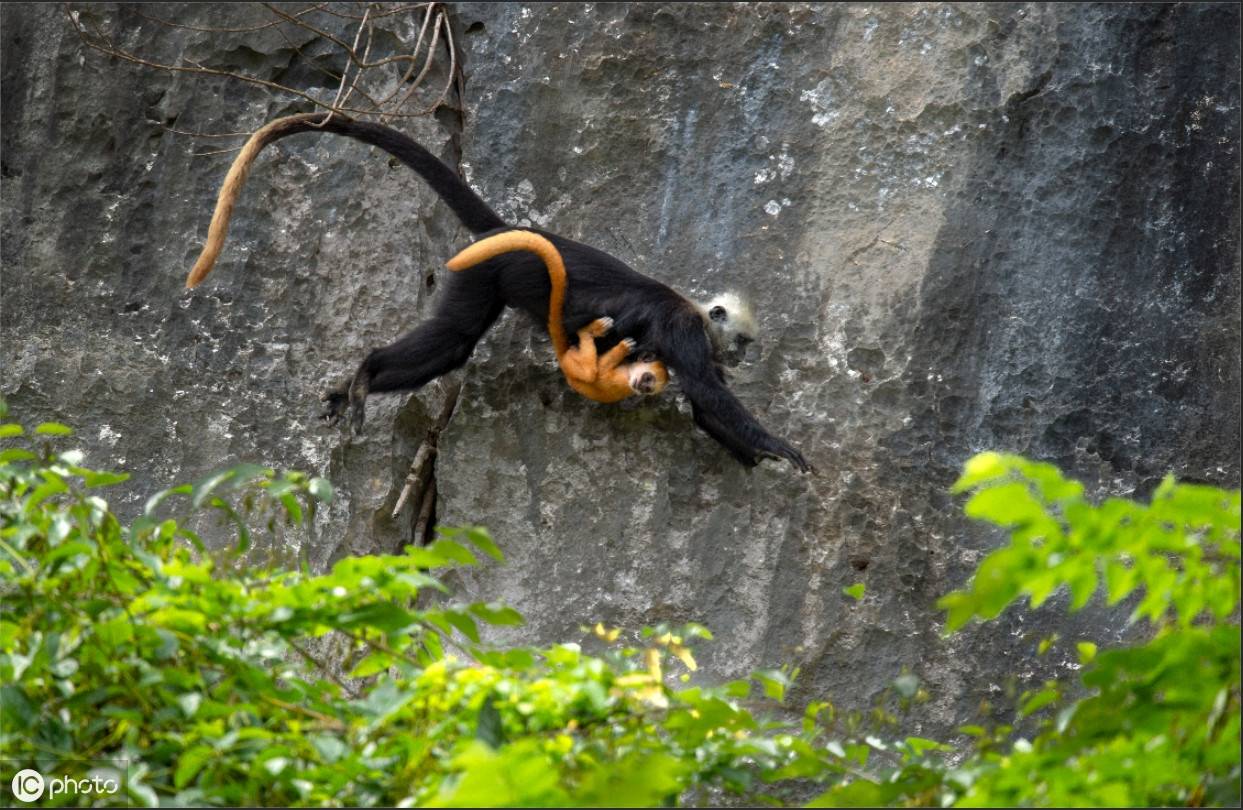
363,88
214,30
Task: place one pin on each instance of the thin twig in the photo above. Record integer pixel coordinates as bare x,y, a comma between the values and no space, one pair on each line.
314,63
322,668
380,15
431,55
427,18
362,64
215,152
425,513
330,722
128,57
176,131
342,96
100,41
212,30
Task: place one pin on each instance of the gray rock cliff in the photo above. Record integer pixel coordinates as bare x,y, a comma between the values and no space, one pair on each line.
971,227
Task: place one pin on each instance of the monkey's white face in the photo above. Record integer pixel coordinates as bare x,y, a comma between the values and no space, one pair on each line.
730,325
647,377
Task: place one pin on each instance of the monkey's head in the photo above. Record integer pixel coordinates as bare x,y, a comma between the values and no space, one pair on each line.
646,375
730,325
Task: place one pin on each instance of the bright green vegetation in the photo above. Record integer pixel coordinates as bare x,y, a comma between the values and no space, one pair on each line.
222,684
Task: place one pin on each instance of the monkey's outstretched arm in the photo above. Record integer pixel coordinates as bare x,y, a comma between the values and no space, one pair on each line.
717,411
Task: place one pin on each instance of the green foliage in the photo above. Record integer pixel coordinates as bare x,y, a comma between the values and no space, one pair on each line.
1160,722
223,684
134,643
1181,550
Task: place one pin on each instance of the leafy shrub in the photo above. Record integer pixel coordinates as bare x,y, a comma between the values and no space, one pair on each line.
132,644
1160,724
126,644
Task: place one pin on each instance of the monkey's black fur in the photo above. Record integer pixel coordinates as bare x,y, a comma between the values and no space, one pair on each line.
659,319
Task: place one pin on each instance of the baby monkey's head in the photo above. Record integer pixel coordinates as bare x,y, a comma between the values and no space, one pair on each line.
646,375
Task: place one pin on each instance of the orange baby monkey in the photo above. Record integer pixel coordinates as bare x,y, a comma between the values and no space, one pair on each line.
604,378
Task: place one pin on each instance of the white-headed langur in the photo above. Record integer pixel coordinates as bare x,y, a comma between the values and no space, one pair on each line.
692,340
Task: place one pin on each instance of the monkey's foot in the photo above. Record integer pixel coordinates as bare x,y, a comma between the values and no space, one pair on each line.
360,386
335,402
358,415
629,343
345,401
600,327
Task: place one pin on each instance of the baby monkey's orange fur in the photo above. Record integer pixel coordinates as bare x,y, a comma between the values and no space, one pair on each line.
604,379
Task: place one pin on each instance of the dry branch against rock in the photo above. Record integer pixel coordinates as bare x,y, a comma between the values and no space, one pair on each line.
421,479
364,87
417,476
423,524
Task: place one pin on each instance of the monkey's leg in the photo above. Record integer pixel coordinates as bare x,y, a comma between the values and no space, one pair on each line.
587,346
579,363
440,345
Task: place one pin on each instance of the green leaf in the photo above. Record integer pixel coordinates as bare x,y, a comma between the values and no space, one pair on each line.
190,763
53,429
463,623
774,683
479,537
959,607
449,550
383,616
233,477
11,429
979,469
159,497
1007,505
433,646
489,727
378,661
1087,651
1082,586
494,613
854,591
1039,700
103,479
292,508
1119,581
920,746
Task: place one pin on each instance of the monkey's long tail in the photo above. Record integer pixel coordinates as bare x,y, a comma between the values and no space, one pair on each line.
470,209
510,241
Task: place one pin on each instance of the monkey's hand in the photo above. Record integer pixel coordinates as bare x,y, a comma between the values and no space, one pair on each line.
600,327
781,449
716,410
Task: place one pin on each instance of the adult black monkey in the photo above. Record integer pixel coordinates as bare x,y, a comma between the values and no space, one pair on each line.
688,338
